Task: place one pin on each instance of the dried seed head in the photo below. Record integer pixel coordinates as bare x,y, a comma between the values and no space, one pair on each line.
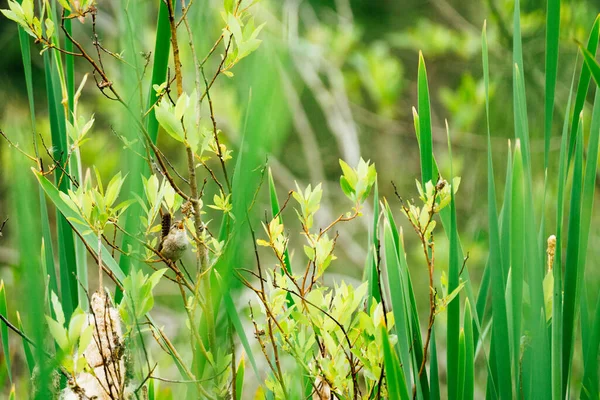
551,250
441,184
323,390
104,355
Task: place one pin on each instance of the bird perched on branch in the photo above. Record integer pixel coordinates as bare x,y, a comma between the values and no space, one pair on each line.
174,239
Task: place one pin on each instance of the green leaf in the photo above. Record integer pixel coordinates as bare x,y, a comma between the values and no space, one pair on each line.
65,4
57,308
89,237
59,333
168,121
113,189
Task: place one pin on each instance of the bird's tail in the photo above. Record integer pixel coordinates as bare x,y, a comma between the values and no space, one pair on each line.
166,224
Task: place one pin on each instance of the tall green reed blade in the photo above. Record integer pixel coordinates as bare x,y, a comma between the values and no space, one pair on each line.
429,172
162,48
590,333
485,282
425,140
371,273
26,348
552,35
557,301
589,387
25,47
517,263
519,97
396,381
258,138
409,296
75,166
130,20
572,267
429,168
31,280
66,243
423,133
534,378
592,65
462,355
434,385
454,266
584,82
399,306
505,215
469,374
4,330
587,205
500,325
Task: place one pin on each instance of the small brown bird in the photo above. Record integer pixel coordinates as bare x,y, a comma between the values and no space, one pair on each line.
174,241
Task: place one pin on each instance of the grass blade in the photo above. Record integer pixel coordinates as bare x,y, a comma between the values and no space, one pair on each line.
4,330
395,378
434,392
592,65
239,379
371,270
237,323
454,267
26,349
469,376
409,295
557,269
589,387
24,43
517,262
130,21
572,267
425,140
399,306
496,267
584,82
66,243
461,364
162,48
552,35
587,206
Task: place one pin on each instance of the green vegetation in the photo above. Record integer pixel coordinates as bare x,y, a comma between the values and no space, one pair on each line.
254,308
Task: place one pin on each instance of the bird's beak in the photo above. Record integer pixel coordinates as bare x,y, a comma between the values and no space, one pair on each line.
180,225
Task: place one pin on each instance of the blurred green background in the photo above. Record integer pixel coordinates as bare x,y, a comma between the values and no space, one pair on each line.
345,77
